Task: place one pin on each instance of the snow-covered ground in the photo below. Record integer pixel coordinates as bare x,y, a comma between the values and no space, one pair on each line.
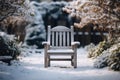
31,67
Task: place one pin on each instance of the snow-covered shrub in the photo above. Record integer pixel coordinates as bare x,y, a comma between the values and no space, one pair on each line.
110,58
51,12
8,46
106,53
94,52
15,15
90,48
35,32
102,60
104,13
114,61
35,35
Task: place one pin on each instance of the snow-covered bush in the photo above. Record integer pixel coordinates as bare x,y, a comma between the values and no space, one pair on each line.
35,32
102,60
107,53
51,12
90,48
15,15
14,8
105,15
94,52
114,61
35,35
109,57
8,46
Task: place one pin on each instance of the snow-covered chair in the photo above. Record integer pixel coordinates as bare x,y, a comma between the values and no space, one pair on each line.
60,41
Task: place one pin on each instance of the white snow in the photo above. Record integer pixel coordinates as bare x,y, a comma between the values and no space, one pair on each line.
31,67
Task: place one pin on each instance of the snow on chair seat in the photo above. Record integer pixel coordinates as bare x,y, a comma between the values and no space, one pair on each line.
60,41
59,51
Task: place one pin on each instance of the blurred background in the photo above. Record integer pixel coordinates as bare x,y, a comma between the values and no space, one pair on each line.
31,29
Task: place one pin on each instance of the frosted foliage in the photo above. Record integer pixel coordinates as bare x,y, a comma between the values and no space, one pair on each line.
15,8
109,57
102,60
27,10
102,12
35,32
90,47
106,54
8,45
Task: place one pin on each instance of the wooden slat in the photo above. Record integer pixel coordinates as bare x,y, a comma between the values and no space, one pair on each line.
53,38
64,40
60,59
67,38
72,36
56,39
57,47
61,28
60,33
60,54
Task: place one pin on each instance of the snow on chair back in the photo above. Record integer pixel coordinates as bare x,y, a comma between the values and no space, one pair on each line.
60,36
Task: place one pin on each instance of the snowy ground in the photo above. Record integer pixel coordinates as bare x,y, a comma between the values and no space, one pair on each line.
31,67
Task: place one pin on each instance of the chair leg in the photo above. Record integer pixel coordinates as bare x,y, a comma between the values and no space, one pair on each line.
9,63
72,62
75,64
75,61
49,60
46,60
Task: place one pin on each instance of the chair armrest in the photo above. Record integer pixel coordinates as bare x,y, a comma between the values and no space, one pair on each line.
45,43
75,43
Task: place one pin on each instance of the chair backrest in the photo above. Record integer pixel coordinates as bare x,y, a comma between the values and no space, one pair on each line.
60,36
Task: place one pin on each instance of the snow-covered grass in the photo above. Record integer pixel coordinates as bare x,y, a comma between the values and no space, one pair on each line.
31,67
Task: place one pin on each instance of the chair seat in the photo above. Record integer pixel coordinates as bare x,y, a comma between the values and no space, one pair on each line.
60,51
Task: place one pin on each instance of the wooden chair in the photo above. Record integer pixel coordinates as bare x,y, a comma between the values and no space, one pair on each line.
60,41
